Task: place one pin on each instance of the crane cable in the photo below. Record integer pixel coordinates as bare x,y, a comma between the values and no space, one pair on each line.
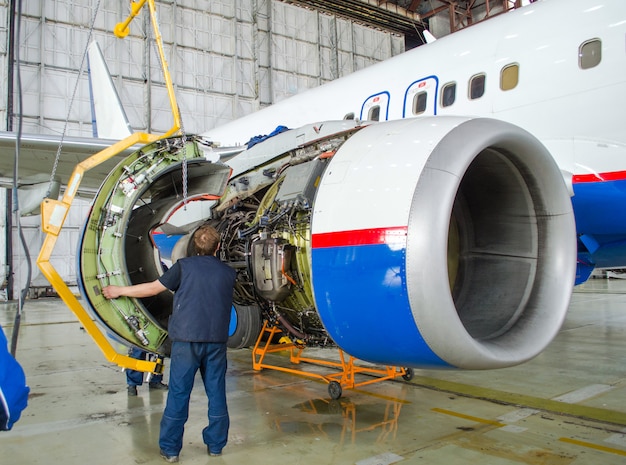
69,109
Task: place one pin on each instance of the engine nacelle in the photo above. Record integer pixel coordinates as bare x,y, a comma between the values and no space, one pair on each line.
443,242
430,242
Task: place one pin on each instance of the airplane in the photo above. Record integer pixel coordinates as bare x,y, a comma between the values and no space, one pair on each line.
518,69
427,211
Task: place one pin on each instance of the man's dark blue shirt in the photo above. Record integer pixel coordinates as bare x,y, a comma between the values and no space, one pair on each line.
203,294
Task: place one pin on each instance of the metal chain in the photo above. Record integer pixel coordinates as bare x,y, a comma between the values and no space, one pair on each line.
184,173
80,72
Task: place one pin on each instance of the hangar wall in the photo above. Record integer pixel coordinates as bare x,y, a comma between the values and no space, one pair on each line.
227,58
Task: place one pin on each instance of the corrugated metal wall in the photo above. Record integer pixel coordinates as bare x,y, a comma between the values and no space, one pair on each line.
227,58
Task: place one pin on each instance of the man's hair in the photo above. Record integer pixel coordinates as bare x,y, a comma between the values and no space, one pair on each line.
206,239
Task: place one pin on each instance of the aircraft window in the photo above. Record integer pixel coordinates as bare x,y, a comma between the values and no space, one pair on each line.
349,116
419,103
590,54
448,94
477,86
509,77
374,113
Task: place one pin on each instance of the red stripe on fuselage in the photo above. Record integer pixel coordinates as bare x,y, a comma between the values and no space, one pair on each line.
599,177
375,236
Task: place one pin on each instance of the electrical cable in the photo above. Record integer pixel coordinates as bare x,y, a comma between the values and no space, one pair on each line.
16,207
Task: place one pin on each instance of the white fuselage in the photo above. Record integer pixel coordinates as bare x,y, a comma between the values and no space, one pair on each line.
577,113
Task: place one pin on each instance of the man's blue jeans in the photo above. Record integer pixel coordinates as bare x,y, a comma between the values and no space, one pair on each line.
186,359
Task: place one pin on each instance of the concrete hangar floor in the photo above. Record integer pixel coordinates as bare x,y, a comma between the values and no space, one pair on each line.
567,406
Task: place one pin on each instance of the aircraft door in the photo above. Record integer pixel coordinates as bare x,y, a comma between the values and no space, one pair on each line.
420,98
376,107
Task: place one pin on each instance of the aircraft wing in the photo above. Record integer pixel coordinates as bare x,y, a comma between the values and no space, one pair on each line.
37,155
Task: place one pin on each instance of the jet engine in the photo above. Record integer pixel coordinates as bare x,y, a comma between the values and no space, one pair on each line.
432,242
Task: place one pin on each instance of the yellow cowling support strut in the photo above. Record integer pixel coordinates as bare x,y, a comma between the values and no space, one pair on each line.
54,212
53,215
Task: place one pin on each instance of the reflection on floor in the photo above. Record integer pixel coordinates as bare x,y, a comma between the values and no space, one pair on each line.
567,406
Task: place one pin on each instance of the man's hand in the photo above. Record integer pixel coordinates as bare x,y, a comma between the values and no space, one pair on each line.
137,290
111,292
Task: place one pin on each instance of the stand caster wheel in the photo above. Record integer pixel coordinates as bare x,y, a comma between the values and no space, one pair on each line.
334,389
408,374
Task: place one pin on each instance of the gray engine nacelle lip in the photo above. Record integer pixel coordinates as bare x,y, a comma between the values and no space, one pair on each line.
552,278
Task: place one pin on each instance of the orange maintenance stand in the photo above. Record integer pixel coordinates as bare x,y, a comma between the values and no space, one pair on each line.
344,378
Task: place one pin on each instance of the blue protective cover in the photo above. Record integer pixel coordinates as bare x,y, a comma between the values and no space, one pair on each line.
13,388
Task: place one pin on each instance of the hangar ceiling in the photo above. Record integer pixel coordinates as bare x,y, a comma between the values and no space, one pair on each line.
411,17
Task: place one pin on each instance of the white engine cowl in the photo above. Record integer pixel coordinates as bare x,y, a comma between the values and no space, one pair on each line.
443,242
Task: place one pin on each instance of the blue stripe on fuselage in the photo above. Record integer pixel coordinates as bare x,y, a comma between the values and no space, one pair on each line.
362,300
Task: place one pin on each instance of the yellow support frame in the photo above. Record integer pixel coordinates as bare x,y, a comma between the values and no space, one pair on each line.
54,212
345,378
